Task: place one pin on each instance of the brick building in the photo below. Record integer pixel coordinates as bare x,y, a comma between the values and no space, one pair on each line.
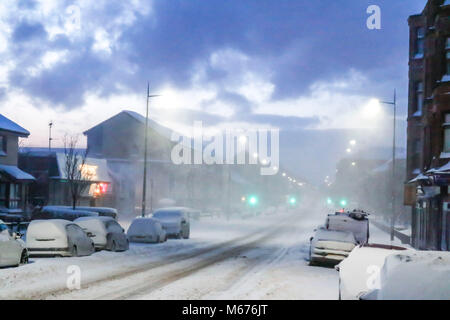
429,126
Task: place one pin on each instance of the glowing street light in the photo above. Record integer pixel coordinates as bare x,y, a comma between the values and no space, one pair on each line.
352,142
284,174
253,200
349,150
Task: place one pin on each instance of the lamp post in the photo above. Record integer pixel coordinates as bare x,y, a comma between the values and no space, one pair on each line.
144,183
394,104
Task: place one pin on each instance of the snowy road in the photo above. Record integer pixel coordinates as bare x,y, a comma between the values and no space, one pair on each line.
261,258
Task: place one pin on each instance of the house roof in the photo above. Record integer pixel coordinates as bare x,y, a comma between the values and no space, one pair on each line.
11,126
164,131
98,168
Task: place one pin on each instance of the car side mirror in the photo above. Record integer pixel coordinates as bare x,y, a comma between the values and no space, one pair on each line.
123,230
311,239
90,234
336,267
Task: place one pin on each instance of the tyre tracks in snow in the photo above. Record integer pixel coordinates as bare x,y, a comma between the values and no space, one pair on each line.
159,274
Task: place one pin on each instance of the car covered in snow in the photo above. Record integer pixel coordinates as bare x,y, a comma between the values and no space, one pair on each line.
175,221
413,275
146,230
106,233
58,237
356,222
357,271
329,247
60,212
100,211
13,251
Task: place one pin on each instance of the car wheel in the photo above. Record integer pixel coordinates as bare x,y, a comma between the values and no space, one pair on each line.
74,251
113,246
24,258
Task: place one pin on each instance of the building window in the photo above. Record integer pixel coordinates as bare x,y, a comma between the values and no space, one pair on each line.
419,98
447,133
420,41
14,196
3,146
447,55
3,198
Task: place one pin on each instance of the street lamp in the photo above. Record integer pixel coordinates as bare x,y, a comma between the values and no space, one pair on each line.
394,104
144,182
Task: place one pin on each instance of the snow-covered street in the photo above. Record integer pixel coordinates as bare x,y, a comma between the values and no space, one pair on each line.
259,258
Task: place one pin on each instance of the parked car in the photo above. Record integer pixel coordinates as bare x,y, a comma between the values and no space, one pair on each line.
356,272
101,211
356,222
63,213
175,221
146,230
329,247
413,275
106,233
13,251
58,237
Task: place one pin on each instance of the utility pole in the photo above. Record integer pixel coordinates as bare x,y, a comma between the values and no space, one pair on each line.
394,104
144,183
50,125
393,168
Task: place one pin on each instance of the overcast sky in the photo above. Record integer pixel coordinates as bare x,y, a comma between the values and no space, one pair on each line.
291,64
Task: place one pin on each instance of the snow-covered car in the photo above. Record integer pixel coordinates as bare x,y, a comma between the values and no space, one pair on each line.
175,221
355,222
329,247
13,251
101,211
106,233
357,271
58,238
62,213
146,230
413,275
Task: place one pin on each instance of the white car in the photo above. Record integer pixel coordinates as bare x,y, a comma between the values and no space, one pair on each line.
146,230
413,275
358,271
58,238
175,221
355,222
105,232
330,247
13,251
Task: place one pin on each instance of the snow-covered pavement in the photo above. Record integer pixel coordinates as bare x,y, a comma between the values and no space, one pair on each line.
259,258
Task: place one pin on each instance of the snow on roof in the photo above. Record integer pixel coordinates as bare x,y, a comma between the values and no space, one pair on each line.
98,167
45,227
16,173
11,126
331,235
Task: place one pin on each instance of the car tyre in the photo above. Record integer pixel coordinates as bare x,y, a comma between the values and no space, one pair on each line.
74,251
24,258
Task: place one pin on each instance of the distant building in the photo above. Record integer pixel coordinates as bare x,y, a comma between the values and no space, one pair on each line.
429,126
51,187
120,140
13,181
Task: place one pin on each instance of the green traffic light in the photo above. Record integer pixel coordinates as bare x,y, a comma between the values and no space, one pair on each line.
292,201
329,201
343,203
253,201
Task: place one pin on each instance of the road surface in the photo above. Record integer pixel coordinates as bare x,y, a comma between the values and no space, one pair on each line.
259,258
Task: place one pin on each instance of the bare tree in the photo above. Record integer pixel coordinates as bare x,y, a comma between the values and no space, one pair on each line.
21,144
77,175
